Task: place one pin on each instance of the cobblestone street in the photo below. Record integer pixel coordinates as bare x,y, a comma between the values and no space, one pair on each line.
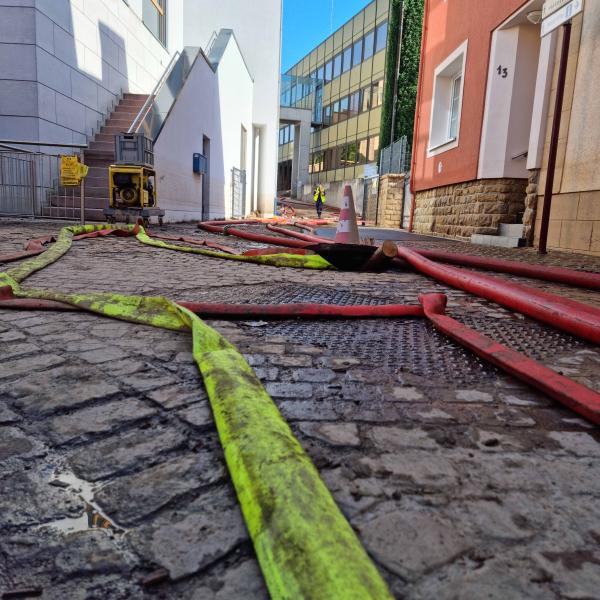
460,481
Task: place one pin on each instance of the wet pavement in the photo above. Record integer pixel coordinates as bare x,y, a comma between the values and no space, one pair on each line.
460,481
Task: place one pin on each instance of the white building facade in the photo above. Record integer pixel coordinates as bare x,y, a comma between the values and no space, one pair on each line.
65,64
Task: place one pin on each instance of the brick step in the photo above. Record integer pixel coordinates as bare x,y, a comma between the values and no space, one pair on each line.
104,137
112,129
511,229
96,191
90,203
100,155
91,214
96,183
501,241
130,96
101,146
96,203
124,113
132,103
99,163
97,172
117,121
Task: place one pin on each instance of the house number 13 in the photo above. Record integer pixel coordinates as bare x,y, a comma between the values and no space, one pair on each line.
503,72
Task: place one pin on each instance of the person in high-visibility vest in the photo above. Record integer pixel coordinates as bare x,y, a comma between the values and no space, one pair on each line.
319,198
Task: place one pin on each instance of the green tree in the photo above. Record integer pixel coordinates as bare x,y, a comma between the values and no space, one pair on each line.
408,76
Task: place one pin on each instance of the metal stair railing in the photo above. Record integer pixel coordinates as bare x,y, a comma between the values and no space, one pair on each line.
148,103
155,111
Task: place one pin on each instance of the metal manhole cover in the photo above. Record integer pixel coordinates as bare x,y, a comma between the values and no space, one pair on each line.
408,345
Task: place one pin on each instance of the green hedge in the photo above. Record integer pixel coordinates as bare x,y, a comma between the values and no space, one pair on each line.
409,71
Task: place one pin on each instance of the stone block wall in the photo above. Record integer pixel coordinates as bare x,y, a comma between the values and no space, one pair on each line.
391,195
462,209
574,222
530,206
575,210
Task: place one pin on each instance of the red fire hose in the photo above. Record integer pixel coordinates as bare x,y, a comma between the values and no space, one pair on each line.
31,248
287,311
556,274
301,236
573,317
310,224
577,397
246,311
254,237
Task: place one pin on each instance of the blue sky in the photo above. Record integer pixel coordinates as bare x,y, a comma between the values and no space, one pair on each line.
307,23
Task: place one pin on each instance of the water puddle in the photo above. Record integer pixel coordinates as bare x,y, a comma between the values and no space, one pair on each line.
92,517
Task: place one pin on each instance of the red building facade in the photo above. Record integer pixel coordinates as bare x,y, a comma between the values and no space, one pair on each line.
477,107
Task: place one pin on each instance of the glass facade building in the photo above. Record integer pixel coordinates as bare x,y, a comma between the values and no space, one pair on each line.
348,71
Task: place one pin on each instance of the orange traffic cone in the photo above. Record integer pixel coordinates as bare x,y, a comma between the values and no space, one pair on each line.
347,229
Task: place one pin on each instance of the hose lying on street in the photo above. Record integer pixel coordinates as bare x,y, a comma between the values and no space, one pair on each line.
577,397
561,275
555,274
576,318
305,546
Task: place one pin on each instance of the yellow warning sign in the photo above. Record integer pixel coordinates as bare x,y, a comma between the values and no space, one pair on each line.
71,171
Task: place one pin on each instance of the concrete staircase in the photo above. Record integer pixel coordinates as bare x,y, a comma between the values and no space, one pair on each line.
508,236
98,157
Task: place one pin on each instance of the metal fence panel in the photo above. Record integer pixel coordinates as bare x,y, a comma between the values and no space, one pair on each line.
371,188
17,193
238,193
395,158
30,186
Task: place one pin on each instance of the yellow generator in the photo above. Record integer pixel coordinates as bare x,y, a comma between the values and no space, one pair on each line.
132,181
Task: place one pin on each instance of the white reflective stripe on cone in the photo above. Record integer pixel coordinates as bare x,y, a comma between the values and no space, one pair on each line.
347,230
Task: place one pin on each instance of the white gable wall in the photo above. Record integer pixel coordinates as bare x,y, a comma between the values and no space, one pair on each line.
211,104
257,27
236,91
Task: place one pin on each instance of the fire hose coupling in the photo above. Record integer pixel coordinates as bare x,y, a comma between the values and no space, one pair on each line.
226,229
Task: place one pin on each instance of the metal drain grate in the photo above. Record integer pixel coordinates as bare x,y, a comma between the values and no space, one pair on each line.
409,345
400,345
289,294
532,339
413,345
320,295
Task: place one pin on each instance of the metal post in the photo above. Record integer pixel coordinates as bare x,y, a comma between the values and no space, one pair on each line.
33,186
82,191
396,76
560,93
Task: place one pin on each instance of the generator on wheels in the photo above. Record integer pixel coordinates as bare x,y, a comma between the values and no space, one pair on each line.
132,181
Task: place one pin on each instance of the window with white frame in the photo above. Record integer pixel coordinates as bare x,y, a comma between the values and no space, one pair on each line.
447,102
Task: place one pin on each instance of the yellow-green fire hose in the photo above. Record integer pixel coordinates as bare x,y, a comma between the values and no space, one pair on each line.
305,546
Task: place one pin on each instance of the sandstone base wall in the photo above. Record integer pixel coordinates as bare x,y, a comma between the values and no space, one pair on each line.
529,215
574,222
462,209
391,195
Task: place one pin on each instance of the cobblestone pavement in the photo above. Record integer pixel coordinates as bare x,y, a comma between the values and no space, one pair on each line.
460,481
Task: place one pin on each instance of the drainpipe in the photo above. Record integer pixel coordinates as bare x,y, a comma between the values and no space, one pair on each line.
418,118
395,99
558,104
396,76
